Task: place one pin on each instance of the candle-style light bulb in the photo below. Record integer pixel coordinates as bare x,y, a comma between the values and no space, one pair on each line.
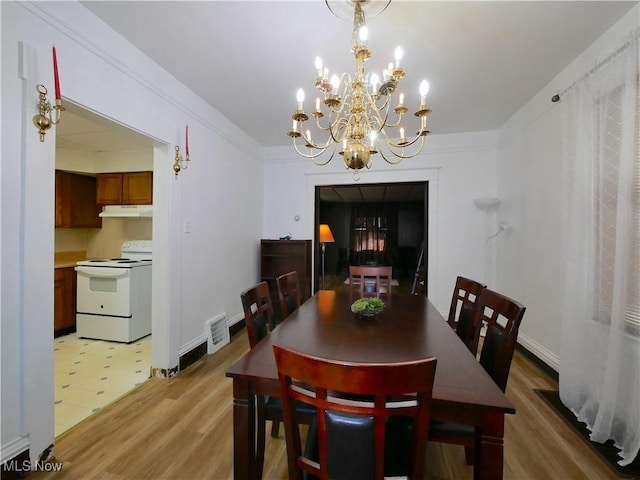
375,80
401,132
300,98
295,126
344,144
325,73
398,54
373,136
363,34
308,136
317,104
401,99
319,66
390,68
424,89
335,83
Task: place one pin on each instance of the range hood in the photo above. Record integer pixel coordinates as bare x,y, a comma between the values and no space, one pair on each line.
126,211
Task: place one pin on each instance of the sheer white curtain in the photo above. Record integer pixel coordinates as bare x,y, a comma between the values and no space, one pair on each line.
600,343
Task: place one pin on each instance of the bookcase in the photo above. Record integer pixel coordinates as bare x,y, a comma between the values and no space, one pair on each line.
283,256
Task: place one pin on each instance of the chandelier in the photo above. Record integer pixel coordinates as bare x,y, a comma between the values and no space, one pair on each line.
357,116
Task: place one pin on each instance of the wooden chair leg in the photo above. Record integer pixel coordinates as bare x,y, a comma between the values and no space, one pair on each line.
275,428
260,435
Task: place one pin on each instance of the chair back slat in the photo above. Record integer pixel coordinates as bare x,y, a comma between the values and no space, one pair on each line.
258,312
463,300
370,279
289,294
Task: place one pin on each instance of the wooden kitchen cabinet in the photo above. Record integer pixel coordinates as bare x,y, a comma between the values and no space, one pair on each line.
75,202
125,188
64,301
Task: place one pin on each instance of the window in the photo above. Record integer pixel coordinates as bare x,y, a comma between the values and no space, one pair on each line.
612,231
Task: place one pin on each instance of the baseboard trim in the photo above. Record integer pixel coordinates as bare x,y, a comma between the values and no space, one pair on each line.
193,355
14,448
544,354
17,464
541,357
236,327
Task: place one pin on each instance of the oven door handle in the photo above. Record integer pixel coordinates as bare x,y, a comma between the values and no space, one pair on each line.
104,272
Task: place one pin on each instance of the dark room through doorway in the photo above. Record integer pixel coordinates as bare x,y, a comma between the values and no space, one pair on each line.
373,224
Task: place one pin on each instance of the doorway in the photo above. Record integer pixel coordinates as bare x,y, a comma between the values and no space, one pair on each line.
91,373
373,224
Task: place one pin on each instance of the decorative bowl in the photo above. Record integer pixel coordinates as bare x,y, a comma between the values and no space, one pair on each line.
367,307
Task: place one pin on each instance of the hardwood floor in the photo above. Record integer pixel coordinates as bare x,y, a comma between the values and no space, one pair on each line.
182,429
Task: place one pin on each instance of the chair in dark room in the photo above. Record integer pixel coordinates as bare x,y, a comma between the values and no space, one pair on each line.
362,429
503,317
258,317
289,293
367,279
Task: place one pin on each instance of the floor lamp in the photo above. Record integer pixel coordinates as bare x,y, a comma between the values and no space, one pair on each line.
324,237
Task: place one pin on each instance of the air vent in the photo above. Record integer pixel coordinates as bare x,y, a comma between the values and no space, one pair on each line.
218,333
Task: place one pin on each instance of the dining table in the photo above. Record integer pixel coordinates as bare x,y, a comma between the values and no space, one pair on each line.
408,328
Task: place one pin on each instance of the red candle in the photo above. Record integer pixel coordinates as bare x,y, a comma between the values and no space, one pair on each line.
56,80
186,140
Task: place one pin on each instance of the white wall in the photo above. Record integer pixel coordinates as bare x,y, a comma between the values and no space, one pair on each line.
458,168
529,266
196,274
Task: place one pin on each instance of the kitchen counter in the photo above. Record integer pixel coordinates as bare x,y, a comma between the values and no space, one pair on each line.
68,259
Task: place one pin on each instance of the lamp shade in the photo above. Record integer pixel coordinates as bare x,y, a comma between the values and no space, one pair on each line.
325,234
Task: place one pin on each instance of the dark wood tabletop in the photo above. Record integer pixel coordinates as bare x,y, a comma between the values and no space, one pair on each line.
409,328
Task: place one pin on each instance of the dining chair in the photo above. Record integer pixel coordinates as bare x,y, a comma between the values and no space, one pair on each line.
258,317
370,279
461,312
372,419
503,317
288,293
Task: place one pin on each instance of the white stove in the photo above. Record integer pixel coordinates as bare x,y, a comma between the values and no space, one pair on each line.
135,253
114,294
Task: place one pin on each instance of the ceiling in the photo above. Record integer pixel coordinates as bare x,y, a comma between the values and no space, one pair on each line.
85,131
483,60
392,192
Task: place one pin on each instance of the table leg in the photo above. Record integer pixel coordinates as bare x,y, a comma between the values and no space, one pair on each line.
244,431
489,456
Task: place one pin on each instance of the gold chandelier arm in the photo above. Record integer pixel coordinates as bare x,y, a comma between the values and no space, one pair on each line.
310,143
401,156
340,124
312,156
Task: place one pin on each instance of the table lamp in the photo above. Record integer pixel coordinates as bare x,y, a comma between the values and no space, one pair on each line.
324,237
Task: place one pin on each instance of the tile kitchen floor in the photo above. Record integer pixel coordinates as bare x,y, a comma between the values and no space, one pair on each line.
90,374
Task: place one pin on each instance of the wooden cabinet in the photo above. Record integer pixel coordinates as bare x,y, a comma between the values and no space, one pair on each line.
64,301
75,203
125,188
282,256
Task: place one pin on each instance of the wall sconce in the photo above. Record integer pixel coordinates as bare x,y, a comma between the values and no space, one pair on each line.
179,162
486,203
46,116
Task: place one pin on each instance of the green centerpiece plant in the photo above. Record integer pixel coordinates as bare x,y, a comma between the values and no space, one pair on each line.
367,307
